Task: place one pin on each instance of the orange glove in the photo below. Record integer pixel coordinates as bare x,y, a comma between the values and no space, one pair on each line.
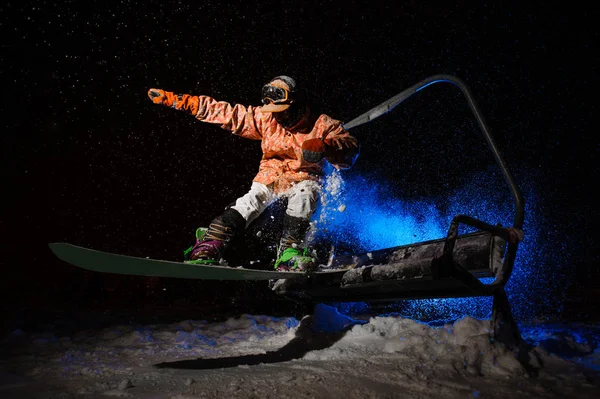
158,96
181,102
313,150
337,150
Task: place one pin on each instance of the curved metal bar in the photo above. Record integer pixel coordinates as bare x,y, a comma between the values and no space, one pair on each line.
388,105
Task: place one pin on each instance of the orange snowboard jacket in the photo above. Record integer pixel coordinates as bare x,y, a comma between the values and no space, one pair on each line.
282,163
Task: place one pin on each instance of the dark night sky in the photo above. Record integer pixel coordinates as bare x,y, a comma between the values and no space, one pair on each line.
87,159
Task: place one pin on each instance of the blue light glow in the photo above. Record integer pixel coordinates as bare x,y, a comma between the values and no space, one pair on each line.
431,83
329,319
372,220
361,212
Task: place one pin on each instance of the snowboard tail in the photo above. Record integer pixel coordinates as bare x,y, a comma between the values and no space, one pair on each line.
106,262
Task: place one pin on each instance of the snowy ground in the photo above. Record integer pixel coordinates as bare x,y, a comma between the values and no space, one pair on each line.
322,356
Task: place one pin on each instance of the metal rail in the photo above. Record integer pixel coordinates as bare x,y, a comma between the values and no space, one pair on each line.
388,105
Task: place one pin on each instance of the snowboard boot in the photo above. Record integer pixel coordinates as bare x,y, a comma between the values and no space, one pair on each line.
211,243
292,254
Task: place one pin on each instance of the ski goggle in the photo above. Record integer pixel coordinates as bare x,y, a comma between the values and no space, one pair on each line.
274,95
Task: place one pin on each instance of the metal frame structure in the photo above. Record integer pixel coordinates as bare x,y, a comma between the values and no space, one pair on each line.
447,277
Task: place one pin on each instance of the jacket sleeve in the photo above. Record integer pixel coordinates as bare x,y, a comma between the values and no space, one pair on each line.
237,119
341,149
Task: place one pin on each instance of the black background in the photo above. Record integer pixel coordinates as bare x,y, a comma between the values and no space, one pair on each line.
88,159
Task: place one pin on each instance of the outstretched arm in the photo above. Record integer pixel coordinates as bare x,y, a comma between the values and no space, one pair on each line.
237,119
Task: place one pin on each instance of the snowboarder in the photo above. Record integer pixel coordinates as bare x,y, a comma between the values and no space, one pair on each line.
295,142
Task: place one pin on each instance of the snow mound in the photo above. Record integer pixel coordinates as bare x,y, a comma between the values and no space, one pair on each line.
323,355
465,345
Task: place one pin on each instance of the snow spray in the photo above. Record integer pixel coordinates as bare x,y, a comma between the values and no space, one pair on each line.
359,213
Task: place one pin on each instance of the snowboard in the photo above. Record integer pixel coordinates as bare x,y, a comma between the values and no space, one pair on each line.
106,262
